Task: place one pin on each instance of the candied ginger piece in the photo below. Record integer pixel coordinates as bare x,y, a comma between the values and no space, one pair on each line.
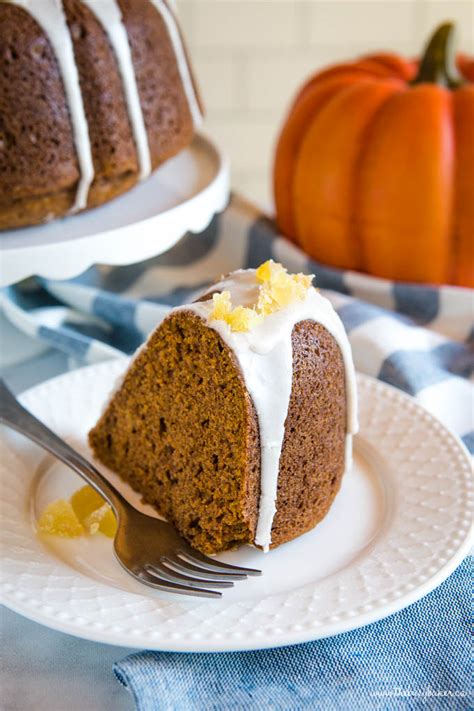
85,511
268,270
239,318
304,279
101,520
222,306
84,501
278,288
285,290
59,519
108,523
243,319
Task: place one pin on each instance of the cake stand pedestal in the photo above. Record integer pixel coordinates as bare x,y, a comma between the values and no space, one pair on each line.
181,196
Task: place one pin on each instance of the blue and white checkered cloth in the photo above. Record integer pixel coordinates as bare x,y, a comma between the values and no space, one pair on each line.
418,338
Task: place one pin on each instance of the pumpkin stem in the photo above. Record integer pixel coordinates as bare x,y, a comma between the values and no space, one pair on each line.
438,64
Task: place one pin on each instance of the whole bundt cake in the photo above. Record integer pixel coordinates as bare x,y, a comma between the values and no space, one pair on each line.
94,96
235,420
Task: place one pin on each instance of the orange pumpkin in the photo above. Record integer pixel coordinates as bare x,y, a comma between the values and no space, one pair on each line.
374,167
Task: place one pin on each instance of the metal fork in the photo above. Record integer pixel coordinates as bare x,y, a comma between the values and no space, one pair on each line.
149,549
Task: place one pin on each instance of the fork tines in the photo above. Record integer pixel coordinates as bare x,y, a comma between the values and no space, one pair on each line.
186,572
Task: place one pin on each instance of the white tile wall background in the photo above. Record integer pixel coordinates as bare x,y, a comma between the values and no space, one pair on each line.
250,56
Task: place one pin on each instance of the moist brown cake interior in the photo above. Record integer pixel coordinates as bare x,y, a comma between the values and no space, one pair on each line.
169,434
182,430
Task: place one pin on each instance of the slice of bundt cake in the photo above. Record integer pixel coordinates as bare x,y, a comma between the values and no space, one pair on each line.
94,95
235,419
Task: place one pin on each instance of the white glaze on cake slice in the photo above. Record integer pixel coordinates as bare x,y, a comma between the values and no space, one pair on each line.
265,356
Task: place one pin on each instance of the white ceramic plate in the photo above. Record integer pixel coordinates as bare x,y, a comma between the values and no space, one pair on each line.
398,527
181,196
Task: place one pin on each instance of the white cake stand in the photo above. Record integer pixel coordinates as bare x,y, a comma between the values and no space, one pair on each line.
180,197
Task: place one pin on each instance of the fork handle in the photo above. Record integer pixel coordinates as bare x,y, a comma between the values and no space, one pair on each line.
15,416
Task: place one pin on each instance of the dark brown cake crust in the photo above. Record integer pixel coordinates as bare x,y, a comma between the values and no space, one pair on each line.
39,172
313,454
182,430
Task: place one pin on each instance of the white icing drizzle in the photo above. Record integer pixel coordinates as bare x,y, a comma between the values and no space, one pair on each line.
109,15
181,59
50,16
265,357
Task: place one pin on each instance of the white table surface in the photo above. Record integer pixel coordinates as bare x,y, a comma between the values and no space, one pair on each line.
41,669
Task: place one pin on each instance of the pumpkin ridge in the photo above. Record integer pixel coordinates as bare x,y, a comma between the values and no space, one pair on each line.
404,213
323,182
360,69
289,140
452,254
304,111
400,68
462,256
356,196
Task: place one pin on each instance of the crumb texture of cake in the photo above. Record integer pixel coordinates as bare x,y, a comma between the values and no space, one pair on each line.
235,420
94,96
182,431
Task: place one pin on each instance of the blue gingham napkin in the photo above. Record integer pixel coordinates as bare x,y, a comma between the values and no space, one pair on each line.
417,338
